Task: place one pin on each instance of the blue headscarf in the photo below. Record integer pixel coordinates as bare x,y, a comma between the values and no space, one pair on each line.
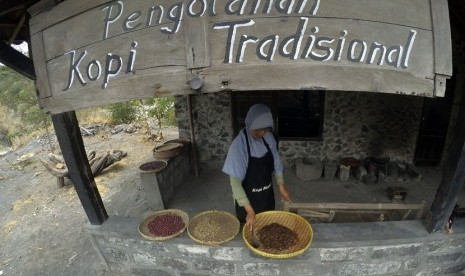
259,116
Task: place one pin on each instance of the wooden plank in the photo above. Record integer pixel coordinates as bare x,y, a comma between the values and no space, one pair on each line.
152,46
17,61
354,206
147,84
41,6
442,37
453,178
442,45
400,12
85,41
61,12
322,77
74,153
74,32
40,67
409,13
169,56
197,44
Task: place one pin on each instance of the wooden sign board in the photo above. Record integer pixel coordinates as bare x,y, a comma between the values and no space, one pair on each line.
90,53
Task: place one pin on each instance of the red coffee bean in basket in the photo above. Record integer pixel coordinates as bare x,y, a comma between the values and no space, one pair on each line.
166,225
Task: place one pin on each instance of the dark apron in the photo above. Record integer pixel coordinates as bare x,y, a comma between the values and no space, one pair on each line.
257,182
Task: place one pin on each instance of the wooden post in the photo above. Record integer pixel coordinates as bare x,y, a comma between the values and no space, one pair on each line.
192,135
452,180
74,153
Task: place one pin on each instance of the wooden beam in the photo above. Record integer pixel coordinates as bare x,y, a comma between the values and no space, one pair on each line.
192,136
74,153
442,45
9,6
352,206
18,27
452,180
17,61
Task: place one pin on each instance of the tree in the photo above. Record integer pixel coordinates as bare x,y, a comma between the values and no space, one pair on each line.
22,113
123,113
162,109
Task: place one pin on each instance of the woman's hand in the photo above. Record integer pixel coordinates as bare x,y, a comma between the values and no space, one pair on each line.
285,195
250,218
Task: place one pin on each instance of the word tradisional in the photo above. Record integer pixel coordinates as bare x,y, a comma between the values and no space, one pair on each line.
319,48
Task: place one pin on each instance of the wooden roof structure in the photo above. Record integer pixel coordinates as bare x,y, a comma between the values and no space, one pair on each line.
14,29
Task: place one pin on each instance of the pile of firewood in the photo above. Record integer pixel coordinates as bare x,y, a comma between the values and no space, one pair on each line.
57,167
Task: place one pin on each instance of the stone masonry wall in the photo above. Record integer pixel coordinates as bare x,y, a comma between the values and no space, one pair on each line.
355,124
212,126
371,124
351,249
361,125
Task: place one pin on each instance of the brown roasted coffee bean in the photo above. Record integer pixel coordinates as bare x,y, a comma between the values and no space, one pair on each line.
276,237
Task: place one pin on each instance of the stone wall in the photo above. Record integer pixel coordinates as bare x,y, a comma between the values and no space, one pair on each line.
361,125
160,187
355,124
382,248
212,126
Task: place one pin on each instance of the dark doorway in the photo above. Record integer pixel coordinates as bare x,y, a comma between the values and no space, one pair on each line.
433,127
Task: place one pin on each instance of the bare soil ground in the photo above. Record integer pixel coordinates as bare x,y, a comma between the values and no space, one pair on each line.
42,225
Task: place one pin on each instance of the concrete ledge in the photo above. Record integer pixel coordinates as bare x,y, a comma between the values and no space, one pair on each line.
399,247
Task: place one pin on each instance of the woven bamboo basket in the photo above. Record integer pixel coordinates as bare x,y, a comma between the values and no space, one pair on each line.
213,227
296,223
184,142
167,151
147,167
144,229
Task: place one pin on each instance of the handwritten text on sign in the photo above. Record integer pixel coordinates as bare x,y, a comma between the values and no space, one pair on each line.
305,43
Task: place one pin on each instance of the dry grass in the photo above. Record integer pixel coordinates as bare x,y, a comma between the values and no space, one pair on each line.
10,125
18,132
96,115
23,139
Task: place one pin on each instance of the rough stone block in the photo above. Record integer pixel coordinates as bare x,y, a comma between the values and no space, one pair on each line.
342,254
151,246
444,258
215,267
380,252
228,254
261,269
308,169
430,272
145,258
434,246
455,269
362,269
411,264
196,251
151,272
116,255
307,269
175,264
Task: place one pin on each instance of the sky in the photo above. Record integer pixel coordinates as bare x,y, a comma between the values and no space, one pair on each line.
22,48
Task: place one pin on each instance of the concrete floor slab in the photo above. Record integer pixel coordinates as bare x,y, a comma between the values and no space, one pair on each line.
211,191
